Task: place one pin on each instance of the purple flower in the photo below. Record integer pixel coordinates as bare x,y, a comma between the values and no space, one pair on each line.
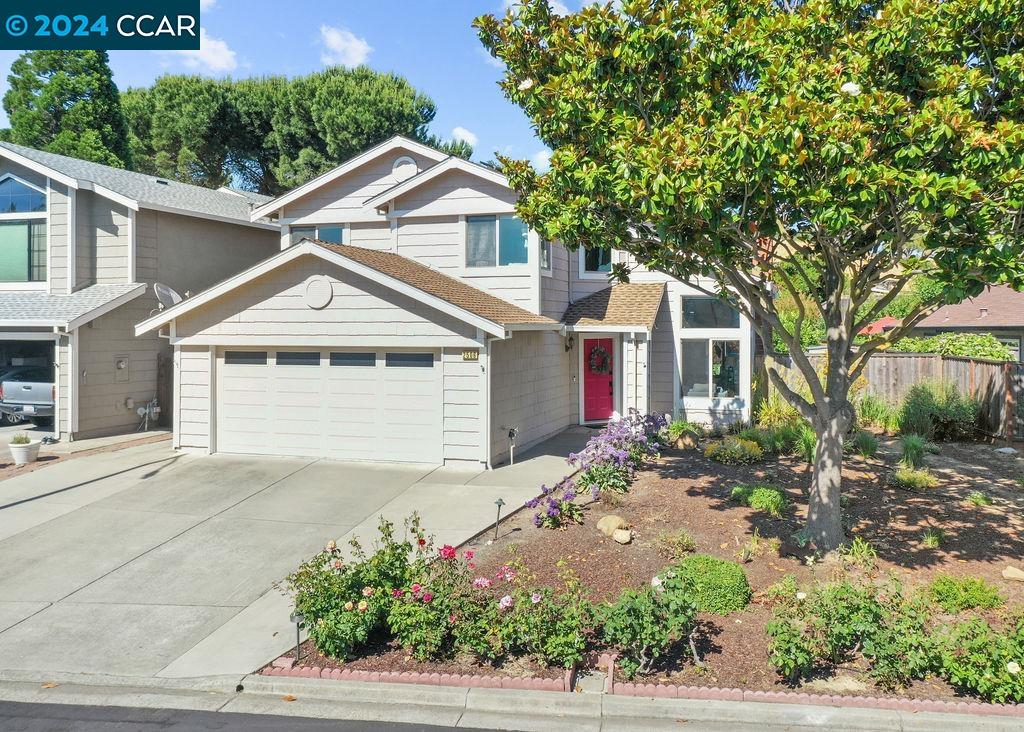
554,511
569,495
533,503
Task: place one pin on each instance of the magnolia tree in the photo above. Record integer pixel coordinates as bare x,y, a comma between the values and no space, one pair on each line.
831,146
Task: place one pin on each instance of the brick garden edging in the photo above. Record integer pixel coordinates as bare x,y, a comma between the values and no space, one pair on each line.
280,668
712,693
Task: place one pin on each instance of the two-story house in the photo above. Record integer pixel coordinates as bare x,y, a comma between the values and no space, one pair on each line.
411,316
80,245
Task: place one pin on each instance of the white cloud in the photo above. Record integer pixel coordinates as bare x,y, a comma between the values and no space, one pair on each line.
342,47
541,161
205,5
213,57
461,133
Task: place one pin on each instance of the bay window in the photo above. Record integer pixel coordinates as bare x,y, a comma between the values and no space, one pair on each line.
496,241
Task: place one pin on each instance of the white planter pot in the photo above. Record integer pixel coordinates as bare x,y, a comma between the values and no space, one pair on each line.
24,454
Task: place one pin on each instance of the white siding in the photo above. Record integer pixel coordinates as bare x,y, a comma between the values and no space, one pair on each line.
554,293
63,359
464,393
635,378
58,238
533,388
371,236
456,192
194,397
361,311
343,200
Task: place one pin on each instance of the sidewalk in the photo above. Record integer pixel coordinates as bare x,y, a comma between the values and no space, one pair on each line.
459,708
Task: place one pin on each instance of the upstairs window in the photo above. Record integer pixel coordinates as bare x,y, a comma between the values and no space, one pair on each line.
22,251
545,255
495,241
597,260
18,197
329,232
709,312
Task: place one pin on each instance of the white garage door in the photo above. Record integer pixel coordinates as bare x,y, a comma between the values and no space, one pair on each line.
339,404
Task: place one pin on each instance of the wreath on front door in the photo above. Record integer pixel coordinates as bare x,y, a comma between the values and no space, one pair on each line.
600,361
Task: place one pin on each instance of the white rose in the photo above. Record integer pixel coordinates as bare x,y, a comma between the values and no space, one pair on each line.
801,596
851,87
1013,667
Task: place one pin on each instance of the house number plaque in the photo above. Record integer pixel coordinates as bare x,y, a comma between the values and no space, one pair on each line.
471,355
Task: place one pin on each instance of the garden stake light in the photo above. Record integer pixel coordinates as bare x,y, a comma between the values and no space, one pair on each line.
499,503
297,618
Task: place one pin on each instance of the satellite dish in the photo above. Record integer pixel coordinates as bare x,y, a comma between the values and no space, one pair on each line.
166,296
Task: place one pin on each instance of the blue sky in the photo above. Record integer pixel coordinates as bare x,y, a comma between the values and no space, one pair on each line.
430,42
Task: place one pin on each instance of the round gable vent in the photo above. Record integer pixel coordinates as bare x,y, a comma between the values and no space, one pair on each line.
319,292
404,168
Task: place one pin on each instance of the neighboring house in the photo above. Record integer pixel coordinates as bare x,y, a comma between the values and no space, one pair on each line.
410,316
80,243
997,310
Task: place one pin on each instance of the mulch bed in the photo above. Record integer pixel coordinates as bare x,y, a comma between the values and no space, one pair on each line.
685,490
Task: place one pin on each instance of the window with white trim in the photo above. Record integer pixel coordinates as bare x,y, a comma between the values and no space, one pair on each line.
22,231
597,261
545,255
331,233
496,241
710,368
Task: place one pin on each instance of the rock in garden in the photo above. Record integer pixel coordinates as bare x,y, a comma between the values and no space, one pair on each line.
1006,451
623,536
608,525
1013,573
687,441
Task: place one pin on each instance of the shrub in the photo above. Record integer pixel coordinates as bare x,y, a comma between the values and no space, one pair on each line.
680,427
859,552
865,444
807,443
938,411
955,594
716,585
774,412
734,451
783,592
604,477
876,412
979,498
912,450
779,440
21,439
966,345
345,604
932,538
980,660
761,497
676,545
909,479
644,624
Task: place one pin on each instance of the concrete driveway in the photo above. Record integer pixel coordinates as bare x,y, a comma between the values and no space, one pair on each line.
146,563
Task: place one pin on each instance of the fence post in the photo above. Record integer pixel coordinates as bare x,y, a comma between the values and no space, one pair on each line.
973,388
1009,403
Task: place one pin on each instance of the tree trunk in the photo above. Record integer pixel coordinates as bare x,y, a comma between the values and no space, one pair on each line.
824,515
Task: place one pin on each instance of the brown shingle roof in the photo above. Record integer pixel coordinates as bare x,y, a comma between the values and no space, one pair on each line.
996,307
625,304
440,285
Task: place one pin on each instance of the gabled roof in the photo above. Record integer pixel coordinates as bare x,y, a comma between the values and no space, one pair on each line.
404,275
996,307
136,190
430,174
43,310
632,304
395,143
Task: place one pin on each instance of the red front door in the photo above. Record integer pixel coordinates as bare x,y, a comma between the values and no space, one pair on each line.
598,379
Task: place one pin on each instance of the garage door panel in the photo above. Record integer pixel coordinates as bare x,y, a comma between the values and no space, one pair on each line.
341,411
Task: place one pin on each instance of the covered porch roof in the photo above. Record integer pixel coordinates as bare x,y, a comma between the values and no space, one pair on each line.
629,306
29,309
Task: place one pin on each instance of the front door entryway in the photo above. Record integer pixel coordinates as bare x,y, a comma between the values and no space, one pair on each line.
598,379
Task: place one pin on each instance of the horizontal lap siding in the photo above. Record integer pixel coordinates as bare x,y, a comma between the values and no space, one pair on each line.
532,389
343,200
662,359
635,380
434,241
63,357
554,290
457,192
375,236
464,384
195,398
58,238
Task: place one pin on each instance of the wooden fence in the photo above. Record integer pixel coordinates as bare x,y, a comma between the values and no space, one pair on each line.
997,386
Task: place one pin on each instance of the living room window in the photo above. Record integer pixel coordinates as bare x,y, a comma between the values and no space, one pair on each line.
711,368
23,252
496,241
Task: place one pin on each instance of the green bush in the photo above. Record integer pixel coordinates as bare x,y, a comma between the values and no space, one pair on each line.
716,585
933,538
602,477
679,427
774,412
912,450
859,552
965,345
980,660
875,412
676,545
910,479
938,411
761,497
779,440
807,443
955,594
865,444
644,624
979,498
734,451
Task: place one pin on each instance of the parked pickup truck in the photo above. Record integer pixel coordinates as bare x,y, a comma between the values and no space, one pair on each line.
28,392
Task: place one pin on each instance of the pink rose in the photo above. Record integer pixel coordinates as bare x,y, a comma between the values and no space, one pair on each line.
427,597
481,583
416,587
448,552
505,603
469,554
397,593
367,591
535,598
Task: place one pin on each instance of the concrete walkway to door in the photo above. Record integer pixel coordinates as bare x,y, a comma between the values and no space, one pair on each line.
147,563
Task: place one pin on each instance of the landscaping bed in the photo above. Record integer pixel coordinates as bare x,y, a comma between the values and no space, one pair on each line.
696,574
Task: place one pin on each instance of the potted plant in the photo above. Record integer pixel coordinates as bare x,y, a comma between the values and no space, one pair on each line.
24,449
